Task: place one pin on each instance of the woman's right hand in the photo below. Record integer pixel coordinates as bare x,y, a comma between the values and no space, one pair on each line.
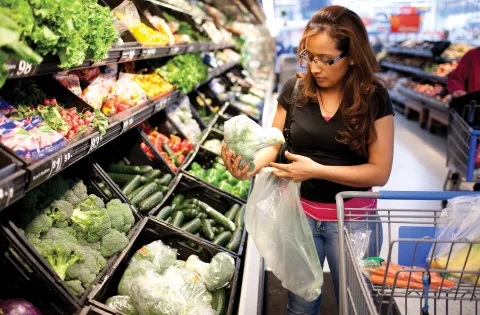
232,165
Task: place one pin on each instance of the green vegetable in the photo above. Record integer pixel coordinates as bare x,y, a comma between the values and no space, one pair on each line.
218,229
121,216
145,169
217,216
169,220
235,240
124,169
59,211
151,202
151,175
112,243
193,226
170,153
163,189
240,217
223,238
105,190
60,254
135,192
186,206
76,287
91,224
190,213
207,229
146,192
122,304
226,187
164,213
178,218
122,179
177,200
195,166
165,180
219,301
132,185
230,214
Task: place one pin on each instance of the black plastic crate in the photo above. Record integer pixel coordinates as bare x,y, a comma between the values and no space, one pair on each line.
192,187
94,310
33,273
150,231
198,105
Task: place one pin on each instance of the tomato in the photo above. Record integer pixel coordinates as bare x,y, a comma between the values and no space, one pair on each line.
181,159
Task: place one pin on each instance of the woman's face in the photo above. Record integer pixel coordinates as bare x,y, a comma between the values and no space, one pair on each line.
322,46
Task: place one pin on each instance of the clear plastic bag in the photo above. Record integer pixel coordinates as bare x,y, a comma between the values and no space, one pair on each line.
198,310
244,137
161,255
122,303
459,221
277,223
139,268
217,274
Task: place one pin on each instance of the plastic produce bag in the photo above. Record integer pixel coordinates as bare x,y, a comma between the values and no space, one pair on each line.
459,221
182,116
244,137
198,310
277,223
161,255
122,303
188,284
139,268
217,274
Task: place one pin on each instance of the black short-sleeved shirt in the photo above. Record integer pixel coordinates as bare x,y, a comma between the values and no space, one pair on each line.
314,137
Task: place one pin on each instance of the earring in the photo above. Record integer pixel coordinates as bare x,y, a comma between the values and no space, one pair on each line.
352,63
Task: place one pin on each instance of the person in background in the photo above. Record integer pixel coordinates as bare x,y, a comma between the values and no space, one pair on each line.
341,135
465,78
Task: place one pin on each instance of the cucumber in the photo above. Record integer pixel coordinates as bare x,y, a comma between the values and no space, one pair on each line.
219,218
169,220
124,169
151,202
193,226
178,218
202,215
147,191
170,153
122,179
218,230
164,213
215,230
135,192
145,169
149,176
177,200
219,301
207,230
163,189
186,207
230,214
223,238
235,240
105,190
240,217
165,180
190,214
132,185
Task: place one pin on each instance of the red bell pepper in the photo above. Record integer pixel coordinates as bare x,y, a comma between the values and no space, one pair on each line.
175,147
158,144
181,159
147,150
186,145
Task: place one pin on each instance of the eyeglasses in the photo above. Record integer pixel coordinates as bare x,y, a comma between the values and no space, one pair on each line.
318,62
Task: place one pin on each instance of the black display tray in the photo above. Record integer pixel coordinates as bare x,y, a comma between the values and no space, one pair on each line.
416,71
13,178
149,231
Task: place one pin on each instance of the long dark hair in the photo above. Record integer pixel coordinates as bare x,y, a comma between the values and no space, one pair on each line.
360,83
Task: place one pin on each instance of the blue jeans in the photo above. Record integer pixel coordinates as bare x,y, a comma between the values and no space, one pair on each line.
325,236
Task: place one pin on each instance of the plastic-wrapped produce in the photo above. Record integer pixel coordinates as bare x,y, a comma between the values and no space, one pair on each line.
182,116
217,274
244,137
139,268
122,303
198,310
214,146
161,255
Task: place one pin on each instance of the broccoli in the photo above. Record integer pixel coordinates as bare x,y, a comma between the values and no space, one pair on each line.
54,188
91,225
33,239
112,243
70,231
91,203
59,234
61,254
95,246
87,269
61,225
77,193
60,211
122,303
76,287
86,278
39,225
121,216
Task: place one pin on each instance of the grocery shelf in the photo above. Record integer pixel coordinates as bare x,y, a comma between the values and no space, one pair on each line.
117,54
425,100
427,53
414,70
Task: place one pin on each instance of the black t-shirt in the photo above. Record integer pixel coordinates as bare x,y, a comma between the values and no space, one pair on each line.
314,137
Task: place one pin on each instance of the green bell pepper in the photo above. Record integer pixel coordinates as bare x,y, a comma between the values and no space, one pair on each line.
225,186
195,166
219,167
232,180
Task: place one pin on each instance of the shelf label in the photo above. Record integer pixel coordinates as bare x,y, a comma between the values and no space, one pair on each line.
127,55
161,104
127,124
191,48
174,50
148,53
95,142
6,194
21,69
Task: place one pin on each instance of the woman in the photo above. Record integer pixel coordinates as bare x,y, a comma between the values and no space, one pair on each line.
341,133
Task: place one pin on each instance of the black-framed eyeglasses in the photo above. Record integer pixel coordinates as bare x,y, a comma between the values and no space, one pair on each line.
318,62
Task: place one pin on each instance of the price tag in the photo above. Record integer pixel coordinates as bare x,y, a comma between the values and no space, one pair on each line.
174,50
25,69
127,124
95,142
127,55
6,194
148,53
12,67
161,104
191,48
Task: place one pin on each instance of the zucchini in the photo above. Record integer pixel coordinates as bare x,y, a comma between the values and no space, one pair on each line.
170,153
190,214
218,230
193,226
235,240
177,200
149,176
219,301
186,207
219,218
135,192
165,180
207,230
202,215
230,214
223,238
132,185
147,191
145,169
151,202
169,220
122,179
215,230
240,217
164,213
178,218
163,189
124,169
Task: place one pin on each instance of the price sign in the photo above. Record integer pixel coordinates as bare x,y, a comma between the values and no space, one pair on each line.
161,104
12,67
6,194
127,124
148,53
24,69
95,142
174,50
127,55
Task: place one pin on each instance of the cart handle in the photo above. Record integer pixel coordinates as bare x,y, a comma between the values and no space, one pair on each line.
425,195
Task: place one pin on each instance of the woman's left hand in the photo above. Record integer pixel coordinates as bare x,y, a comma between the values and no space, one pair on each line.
301,168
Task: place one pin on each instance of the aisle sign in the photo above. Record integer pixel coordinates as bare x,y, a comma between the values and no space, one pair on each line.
127,55
408,21
174,50
127,124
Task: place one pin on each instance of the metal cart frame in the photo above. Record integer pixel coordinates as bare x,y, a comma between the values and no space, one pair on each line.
357,294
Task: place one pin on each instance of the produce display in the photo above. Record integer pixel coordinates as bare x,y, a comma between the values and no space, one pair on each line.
74,231
195,216
143,185
154,85
444,69
213,145
436,91
183,31
182,116
173,149
456,51
155,282
204,106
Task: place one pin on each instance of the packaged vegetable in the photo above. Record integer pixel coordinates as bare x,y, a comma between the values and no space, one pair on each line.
122,304
244,137
128,91
96,93
139,268
71,81
181,114
161,255
216,274
5,107
160,25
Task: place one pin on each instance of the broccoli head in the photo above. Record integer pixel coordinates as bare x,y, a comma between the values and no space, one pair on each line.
60,211
59,234
77,193
61,225
76,287
113,243
87,264
121,216
91,225
39,225
60,254
91,203
70,231
95,246
54,188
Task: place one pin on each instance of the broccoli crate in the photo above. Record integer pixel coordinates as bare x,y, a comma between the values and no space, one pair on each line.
208,167
62,238
150,231
192,188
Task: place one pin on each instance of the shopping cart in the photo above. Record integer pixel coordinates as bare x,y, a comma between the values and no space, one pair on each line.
463,133
358,295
